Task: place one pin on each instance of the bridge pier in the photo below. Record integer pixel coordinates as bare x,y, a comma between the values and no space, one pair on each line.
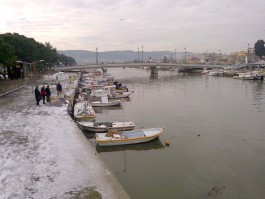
153,70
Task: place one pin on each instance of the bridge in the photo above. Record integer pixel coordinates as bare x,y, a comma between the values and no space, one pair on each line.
152,66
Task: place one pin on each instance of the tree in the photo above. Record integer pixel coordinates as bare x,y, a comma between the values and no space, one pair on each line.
6,54
29,50
259,48
7,57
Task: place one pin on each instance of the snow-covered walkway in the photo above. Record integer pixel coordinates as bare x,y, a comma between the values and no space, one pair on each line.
43,154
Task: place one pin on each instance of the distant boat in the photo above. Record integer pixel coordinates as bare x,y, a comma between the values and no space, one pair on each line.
105,126
113,138
216,73
118,95
105,102
83,110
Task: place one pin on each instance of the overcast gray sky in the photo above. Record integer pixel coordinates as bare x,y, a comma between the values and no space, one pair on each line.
197,25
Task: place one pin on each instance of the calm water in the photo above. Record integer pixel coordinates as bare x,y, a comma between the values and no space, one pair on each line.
216,129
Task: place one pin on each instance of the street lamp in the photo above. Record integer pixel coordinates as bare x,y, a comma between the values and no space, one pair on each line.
220,56
176,55
138,56
185,55
142,54
96,56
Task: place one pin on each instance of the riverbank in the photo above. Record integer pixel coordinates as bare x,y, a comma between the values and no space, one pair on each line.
45,155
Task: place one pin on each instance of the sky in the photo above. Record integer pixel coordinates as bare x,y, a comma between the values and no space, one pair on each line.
198,25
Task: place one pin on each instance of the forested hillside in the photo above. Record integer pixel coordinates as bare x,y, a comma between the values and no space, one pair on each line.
15,47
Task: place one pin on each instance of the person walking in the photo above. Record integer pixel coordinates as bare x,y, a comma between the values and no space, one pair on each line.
59,88
37,95
43,93
48,93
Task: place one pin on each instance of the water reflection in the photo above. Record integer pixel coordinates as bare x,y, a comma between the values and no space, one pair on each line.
258,95
152,145
153,76
106,109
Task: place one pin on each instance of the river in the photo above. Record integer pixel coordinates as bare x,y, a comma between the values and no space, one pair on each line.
216,130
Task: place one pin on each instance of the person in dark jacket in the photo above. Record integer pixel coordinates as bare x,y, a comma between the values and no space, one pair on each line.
37,95
59,88
48,94
43,93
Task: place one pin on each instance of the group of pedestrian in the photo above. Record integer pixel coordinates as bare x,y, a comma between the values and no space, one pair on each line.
46,93
42,94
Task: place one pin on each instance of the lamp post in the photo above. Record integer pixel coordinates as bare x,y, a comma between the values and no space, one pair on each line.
220,56
138,56
185,55
96,56
176,55
142,54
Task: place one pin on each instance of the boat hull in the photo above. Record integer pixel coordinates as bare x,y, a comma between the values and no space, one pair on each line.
100,129
96,104
118,96
103,140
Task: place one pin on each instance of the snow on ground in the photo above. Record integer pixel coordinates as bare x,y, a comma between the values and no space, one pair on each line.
43,154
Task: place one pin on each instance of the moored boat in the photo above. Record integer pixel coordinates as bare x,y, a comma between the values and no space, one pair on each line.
106,103
118,95
113,138
105,126
83,110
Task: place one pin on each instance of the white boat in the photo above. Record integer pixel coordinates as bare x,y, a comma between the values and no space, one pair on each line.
105,126
239,76
118,95
216,73
247,76
83,110
113,138
105,102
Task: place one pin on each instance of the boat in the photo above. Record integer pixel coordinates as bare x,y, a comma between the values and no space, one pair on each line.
118,95
83,110
248,76
154,145
106,103
216,73
100,127
113,138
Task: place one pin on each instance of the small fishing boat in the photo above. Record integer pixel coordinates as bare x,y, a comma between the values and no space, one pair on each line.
105,102
100,127
117,95
83,110
113,138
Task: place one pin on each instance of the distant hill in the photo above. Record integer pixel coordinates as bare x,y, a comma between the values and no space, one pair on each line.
88,57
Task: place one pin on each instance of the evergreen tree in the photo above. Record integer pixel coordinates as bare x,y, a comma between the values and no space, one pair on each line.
259,48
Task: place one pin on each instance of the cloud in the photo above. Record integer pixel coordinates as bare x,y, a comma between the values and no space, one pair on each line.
198,25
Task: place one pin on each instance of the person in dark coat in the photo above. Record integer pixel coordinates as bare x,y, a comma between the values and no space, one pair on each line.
48,93
37,95
59,88
43,93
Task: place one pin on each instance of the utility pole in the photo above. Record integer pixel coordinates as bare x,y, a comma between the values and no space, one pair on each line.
96,56
142,54
220,56
185,55
176,55
138,60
